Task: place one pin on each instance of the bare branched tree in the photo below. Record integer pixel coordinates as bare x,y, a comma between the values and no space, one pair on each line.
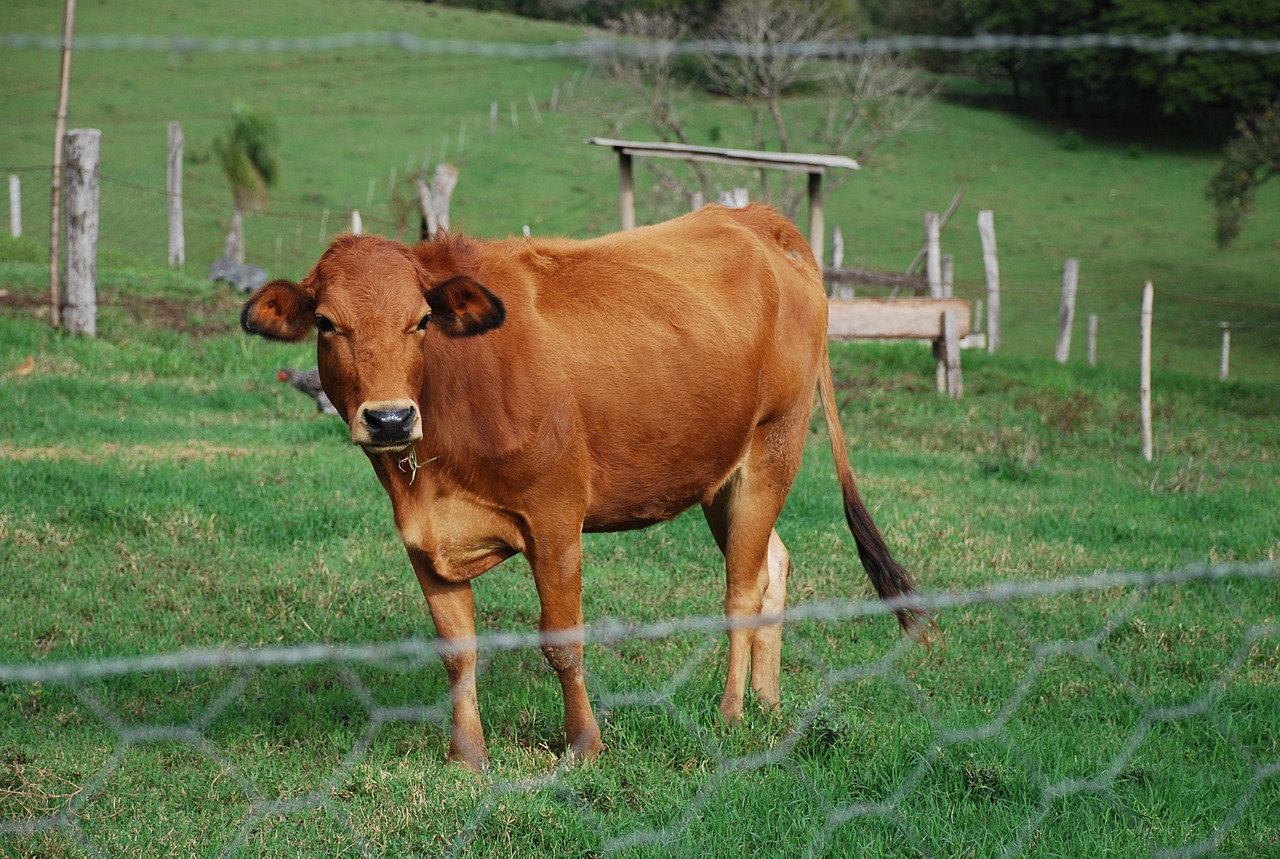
776,60
774,54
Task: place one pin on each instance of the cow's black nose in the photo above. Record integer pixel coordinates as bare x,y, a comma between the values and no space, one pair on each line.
389,425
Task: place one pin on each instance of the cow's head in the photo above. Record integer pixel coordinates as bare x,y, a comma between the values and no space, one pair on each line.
372,303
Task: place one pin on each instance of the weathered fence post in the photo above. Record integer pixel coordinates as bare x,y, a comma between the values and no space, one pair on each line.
838,290
493,118
434,200
735,198
1067,314
1224,365
81,191
177,238
15,205
1144,386
357,226
233,247
951,353
948,275
1093,339
987,232
932,254
626,191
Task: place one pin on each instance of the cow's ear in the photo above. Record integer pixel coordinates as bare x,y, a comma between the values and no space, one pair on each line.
281,310
462,307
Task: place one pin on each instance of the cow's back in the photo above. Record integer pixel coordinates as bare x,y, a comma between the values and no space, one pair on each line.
677,341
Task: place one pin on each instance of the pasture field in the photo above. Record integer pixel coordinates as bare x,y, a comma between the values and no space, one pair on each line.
162,492
1128,202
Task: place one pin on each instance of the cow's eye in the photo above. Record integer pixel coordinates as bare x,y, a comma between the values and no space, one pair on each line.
324,324
422,323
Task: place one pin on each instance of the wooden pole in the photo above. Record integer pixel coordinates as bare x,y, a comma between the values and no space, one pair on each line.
1144,386
1224,366
951,354
1093,339
15,205
626,192
933,256
990,262
942,225
177,238
493,118
948,275
357,225
1067,313
59,127
82,150
817,218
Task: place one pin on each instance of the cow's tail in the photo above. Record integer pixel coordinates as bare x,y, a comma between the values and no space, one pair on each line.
890,579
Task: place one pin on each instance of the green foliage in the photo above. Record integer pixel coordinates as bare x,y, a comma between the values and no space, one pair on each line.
1249,159
247,153
1084,81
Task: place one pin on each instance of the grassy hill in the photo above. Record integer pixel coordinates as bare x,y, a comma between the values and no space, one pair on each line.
1128,204
163,491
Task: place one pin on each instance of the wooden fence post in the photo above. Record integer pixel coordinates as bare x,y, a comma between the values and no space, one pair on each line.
15,205
951,353
626,191
1093,339
493,118
1067,314
357,225
1144,386
932,254
987,232
434,200
948,275
1224,365
177,238
233,247
81,192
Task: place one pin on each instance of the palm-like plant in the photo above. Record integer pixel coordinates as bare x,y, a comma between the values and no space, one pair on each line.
248,158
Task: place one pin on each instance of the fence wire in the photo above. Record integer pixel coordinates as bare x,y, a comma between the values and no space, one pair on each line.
1228,704
1173,44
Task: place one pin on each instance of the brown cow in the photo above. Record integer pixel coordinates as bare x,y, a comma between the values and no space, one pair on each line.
513,394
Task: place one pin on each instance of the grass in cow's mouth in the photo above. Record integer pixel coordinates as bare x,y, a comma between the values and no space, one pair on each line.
411,463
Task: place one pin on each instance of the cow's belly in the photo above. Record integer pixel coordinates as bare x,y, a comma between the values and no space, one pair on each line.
633,487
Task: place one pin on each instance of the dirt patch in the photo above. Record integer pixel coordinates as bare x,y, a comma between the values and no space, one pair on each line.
129,454
197,316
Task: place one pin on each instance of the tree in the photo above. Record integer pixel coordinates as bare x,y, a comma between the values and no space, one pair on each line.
248,158
1249,159
776,71
1184,84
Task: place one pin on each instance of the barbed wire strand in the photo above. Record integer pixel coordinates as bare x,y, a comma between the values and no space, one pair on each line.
1172,44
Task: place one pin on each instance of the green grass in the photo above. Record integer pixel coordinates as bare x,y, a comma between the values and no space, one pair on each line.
1126,200
165,492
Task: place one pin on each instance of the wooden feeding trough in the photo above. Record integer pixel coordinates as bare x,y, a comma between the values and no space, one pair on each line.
814,164
942,321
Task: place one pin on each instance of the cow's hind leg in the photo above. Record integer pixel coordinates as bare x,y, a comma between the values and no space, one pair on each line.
766,648
741,517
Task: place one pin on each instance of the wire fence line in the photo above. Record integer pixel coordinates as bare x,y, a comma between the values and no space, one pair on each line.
1126,589
1172,44
613,631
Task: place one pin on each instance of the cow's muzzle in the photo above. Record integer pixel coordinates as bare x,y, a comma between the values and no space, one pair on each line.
387,425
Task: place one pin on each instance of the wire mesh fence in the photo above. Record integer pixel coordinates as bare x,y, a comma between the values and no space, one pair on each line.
1074,714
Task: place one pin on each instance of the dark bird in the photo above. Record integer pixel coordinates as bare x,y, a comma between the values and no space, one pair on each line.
308,381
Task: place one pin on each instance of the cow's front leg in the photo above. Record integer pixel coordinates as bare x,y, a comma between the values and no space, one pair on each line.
454,613
557,571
